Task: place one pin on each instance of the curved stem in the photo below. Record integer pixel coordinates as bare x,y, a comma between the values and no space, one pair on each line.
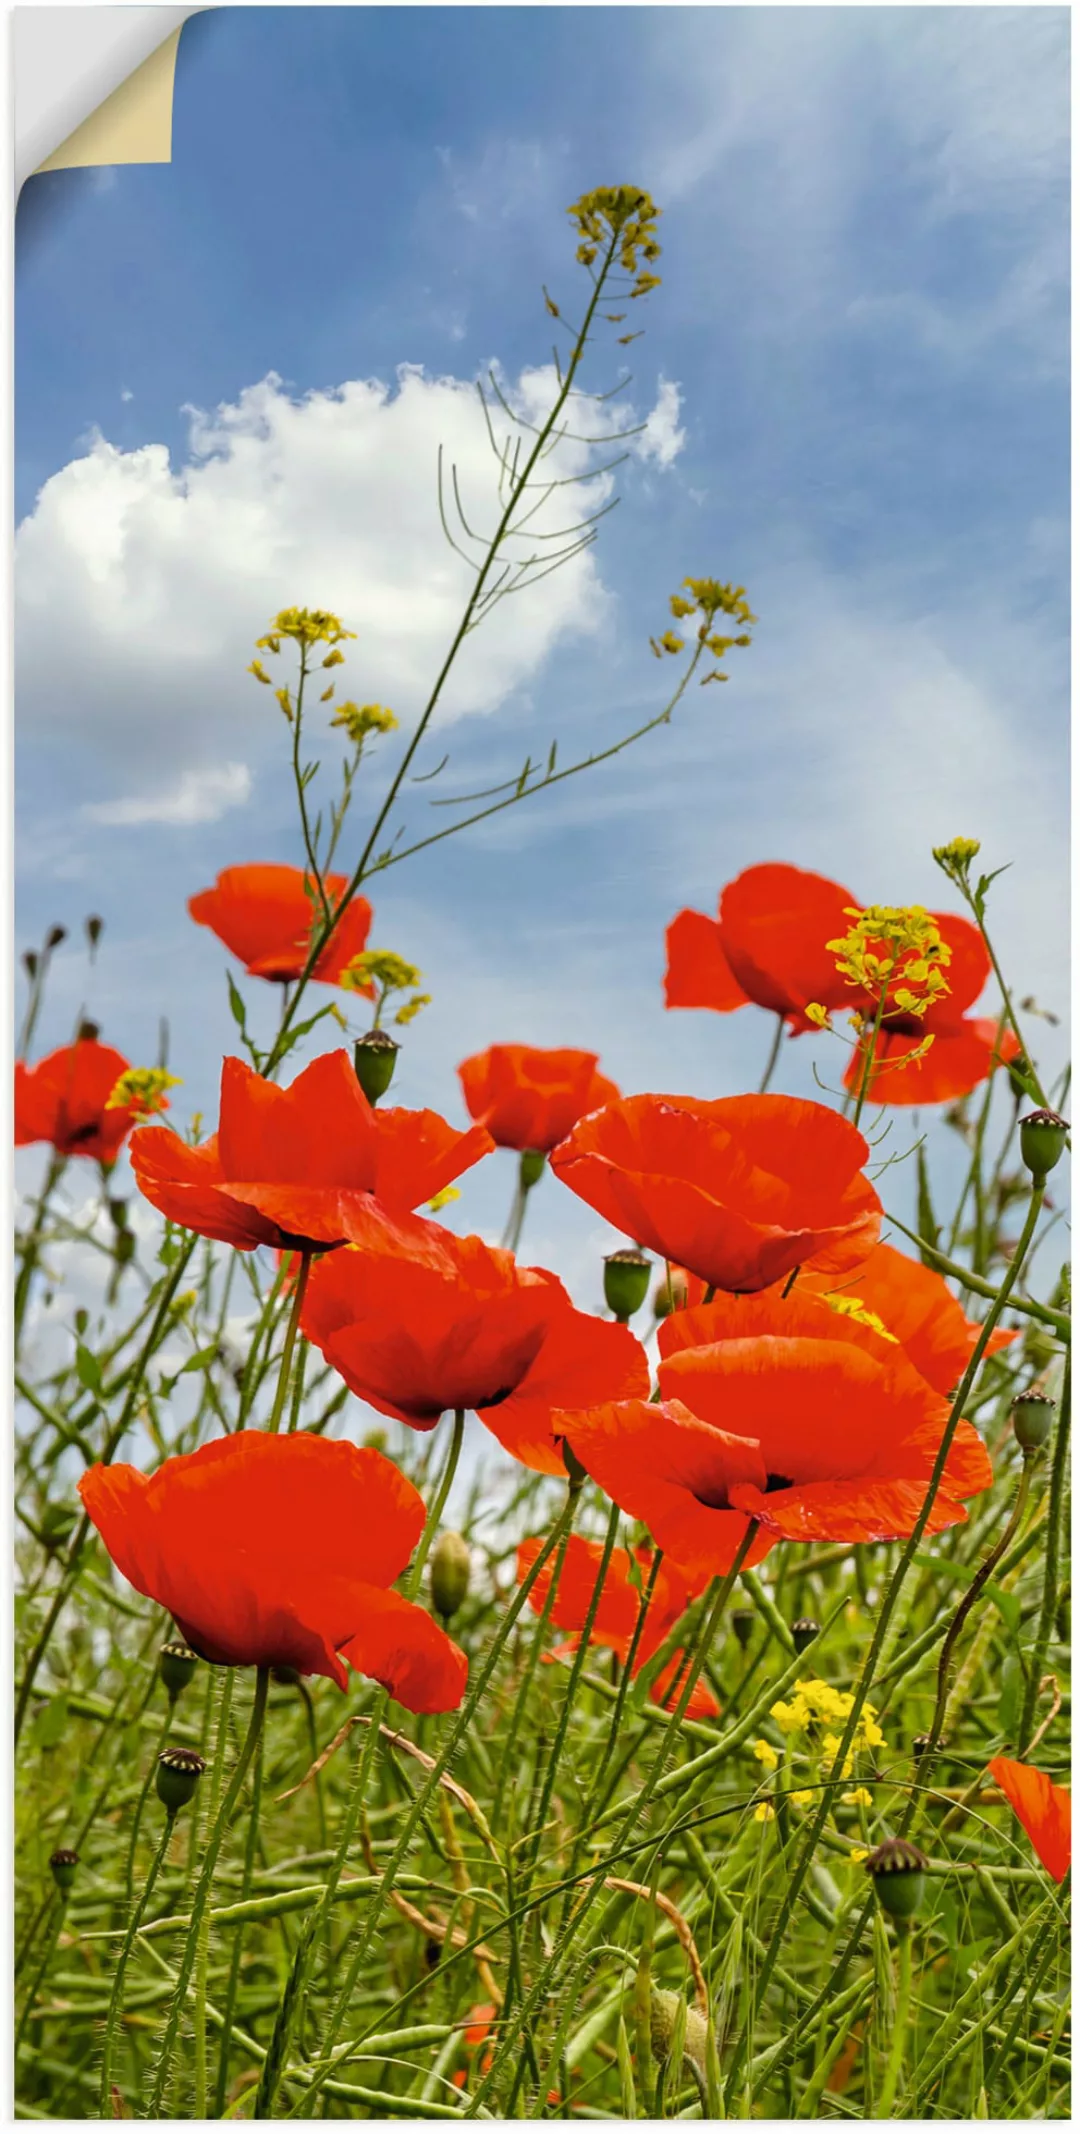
770,1064
984,1572
51,1940
136,1820
116,1998
291,1332
437,1506
1054,1521
202,1894
898,2040
1047,1316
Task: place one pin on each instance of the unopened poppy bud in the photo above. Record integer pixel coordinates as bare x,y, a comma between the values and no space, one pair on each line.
1019,1069
742,1623
89,1033
1032,1419
899,1872
374,1058
63,1865
449,1574
532,1168
663,2017
803,1632
178,1774
176,1665
1042,1140
95,927
55,935
30,963
626,1282
669,1295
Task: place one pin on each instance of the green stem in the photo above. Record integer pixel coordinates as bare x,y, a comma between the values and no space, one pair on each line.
862,1690
291,1332
528,1674
870,1056
1054,1522
1006,996
898,2041
202,1893
51,1940
238,1938
56,1168
301,795
1060,1321
116,1998
202,1954
437,1506
136,1820
770,1064
576,1668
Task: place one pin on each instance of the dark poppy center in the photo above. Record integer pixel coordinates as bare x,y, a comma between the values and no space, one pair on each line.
495,1400
773,1482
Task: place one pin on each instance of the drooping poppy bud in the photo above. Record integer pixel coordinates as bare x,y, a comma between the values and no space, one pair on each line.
55,935
449,1574
742,1623
375,1058
63,1864
626,1282
30,962
89,1033
1042,1141
95,927
663,2019
899,1872
803,1632
1032,1419
532,1168
178,1774
176,1665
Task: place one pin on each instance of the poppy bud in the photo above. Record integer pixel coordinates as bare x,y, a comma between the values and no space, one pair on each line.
178,1774
669,1295
742,1623
1019,1069
63,1864
176,1665
449,1574
55,935
95,927
1032,1419
803,1632
88,1033
532,1168
899,1872
30,963
374,1059
663,2017
1042,1140
626,1282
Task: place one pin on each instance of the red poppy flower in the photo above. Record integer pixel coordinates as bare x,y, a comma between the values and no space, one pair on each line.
966,1048
617,1613
1044,1809
918,1308
303,1167
837,1436
63,1100
739,1190
265,917
767,946
530,1099
279,1552
458,1324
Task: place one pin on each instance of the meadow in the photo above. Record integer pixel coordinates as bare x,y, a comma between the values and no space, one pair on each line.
714,1762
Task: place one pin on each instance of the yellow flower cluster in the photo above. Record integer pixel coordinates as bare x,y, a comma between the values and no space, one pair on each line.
710,599
955,858
141,1090
360,720
306,626
619,220
889,942
381,967
813,1703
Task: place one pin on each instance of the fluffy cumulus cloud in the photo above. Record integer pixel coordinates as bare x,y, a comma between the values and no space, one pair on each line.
141,585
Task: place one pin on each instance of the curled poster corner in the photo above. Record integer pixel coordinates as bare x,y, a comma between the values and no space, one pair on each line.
102,94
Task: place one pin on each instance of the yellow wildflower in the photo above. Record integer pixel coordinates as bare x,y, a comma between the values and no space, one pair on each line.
766,1754
622,219
854,1308
815,1013
381,967
259,671
764,1813
359,720
859,1797
141,1090
671,643
830,1751
334,658
412,1008
857,1855
306,626
893,950
955,858
442,1200
285,701
803,1797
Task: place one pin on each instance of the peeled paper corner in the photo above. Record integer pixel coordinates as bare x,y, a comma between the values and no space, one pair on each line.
133,125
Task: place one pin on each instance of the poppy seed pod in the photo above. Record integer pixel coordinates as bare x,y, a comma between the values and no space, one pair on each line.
178,1774
176,1665
899,1872
375,1058
532,1168
663,2016
63,1865
449,1574
1042,1141
803,1632
95,927
55,935
742,1623
30,963
1032,1419
626,1282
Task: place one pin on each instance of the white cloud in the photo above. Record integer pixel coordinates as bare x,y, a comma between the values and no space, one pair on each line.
198,796
165,575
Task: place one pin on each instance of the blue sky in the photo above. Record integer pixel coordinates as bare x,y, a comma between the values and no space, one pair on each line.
858,361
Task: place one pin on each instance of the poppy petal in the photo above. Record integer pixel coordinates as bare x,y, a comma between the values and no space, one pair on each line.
698,974
398,1645
1044,1809
862,1509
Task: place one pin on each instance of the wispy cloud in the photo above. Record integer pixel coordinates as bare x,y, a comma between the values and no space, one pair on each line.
198,796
